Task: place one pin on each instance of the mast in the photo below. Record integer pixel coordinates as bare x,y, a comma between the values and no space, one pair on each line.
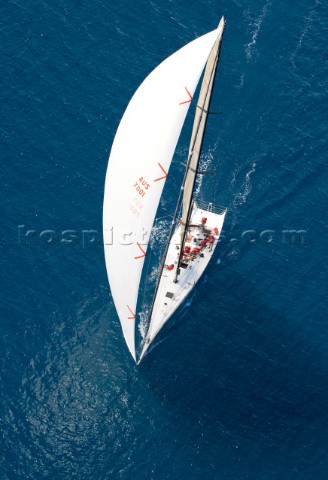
202,112
190,174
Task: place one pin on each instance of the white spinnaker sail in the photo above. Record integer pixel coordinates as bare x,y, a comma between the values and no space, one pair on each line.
138,165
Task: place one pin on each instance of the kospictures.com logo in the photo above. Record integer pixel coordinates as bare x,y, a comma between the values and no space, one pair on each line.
89,238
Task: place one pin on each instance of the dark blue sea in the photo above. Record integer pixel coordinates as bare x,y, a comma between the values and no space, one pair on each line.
237,386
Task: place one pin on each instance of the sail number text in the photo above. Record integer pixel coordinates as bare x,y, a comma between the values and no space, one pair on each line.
141,186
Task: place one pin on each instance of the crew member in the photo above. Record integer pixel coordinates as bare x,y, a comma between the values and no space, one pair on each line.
210,242
169,267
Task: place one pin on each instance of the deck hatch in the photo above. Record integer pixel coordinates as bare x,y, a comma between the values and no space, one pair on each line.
169,294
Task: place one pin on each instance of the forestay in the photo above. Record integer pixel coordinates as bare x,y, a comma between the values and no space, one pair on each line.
138,166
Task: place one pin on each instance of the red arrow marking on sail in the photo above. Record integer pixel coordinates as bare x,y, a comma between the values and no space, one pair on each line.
144,253
165,173
190,97
133,315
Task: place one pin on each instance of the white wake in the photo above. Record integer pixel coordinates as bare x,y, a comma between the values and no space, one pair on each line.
249,47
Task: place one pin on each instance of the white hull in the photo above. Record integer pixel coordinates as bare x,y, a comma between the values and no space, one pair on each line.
170,295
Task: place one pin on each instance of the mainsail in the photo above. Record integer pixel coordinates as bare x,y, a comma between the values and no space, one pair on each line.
138,166
198,133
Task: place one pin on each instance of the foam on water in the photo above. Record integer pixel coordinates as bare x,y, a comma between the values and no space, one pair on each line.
246,187
308,22
205,163
256,25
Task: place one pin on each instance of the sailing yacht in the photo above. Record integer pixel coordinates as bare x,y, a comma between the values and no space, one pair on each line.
138,168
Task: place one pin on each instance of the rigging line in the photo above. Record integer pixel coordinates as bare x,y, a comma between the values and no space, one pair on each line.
164,216
146,281
208,112
214,187
146,270
217,171
151,254
201,116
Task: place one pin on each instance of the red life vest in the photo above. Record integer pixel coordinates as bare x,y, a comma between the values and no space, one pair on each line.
215,231
203,242
204,220
196,250
170,267
187,249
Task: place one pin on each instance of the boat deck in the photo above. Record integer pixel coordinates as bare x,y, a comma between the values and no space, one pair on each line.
170,294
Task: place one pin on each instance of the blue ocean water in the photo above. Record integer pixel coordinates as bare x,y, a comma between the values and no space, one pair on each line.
237,386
